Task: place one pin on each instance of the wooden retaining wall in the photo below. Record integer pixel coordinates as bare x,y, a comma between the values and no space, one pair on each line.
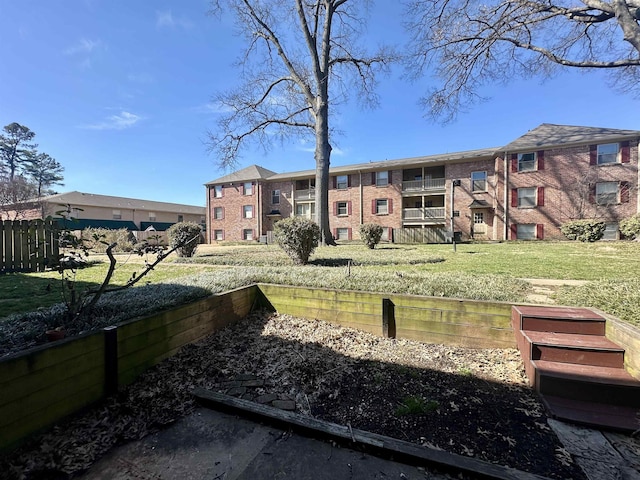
477,324
42,385
628,337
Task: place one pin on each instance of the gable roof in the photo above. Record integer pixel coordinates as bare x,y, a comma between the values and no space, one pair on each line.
252,172
550,135
94,200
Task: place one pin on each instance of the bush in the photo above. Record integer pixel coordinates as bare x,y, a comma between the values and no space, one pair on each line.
630,227
98,239
186,234
370,233
583,230
298,237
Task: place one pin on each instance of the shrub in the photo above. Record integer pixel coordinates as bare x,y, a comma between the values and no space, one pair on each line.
186,234
583,230
98,239
298,237
371,234
630,227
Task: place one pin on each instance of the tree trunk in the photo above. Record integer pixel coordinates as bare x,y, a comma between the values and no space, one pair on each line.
322,157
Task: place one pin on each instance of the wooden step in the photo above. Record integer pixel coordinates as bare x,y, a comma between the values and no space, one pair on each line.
613,386
574,348
612,417
557,319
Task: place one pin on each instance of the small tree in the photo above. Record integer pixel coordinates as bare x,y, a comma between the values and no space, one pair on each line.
185,236
298,237
584,230
371,234
630,227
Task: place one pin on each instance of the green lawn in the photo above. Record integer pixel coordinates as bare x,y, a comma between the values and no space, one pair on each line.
477,271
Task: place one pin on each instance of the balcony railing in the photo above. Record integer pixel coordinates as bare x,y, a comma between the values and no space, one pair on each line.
424,185
305,194
427,213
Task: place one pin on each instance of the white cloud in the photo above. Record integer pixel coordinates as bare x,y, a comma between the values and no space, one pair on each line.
116,122
212,107
166,19
83,46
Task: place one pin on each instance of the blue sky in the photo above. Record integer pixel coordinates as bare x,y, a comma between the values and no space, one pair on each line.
119,92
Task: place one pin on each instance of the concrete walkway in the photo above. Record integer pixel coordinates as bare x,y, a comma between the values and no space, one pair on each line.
216,446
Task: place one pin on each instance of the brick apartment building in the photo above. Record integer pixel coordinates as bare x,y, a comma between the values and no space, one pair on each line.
524,190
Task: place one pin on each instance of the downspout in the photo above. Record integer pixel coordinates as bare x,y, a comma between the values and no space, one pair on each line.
361,200
208,214
506,198
259,210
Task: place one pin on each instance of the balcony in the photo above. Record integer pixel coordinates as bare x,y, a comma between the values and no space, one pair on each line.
309,194
427,185
429,214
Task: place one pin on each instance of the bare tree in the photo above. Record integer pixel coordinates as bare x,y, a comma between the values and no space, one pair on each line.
302,59
469,43
17,197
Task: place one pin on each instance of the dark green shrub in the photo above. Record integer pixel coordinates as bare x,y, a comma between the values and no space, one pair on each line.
370,233
630,227
186,234
98,239
584,230
298,237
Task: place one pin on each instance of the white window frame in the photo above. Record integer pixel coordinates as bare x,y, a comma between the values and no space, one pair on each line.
527,197
342,233
527,161
608,153
607,193
522,231
248,188
217,216
247,211
152,216
310,206
247,234
478,218
275,197
382,178
382,206
217,191
117,214
218,235
479,184
342,182
345,207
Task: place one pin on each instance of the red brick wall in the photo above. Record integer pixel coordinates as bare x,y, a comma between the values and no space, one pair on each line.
285,206
392,192
232,201
567,180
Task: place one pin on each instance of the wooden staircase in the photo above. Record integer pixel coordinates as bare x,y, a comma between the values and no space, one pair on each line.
577,371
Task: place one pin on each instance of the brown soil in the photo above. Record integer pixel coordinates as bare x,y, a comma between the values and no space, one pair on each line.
468,401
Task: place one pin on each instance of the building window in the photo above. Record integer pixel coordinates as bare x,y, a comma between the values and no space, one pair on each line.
181,218
385,234
526,197
218,235
342,208
343,234
247,211
526,231
248,188
526,162
117,215
382,206
478,218
275,197
217,191
606,193
607,153
247,234
342,182
306,210
152,216
382,179
218,213
479,181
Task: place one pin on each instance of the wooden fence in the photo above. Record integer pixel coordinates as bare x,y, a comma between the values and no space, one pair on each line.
27,245
420,235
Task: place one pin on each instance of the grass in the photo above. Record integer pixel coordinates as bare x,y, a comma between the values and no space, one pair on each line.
413,405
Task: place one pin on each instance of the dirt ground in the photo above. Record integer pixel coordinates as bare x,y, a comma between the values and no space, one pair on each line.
467,401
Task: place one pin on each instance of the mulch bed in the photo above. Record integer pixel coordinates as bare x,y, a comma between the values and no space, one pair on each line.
473,402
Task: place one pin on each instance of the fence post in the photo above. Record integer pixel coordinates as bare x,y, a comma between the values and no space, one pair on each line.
388,319
110,360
